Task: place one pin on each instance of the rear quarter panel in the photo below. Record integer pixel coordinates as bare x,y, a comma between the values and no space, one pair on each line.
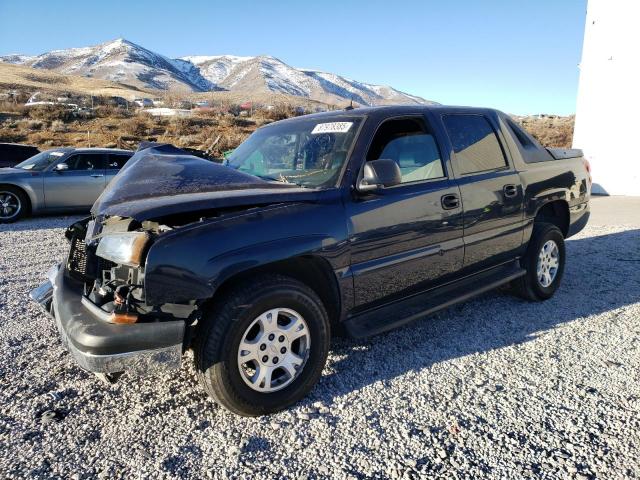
553,180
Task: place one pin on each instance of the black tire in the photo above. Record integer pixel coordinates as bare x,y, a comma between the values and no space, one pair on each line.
17,195
529,286
217,343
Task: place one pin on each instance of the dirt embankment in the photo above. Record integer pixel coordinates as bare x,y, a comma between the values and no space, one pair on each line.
213,131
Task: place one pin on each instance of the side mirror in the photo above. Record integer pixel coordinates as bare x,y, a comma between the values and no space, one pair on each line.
379,174
61,167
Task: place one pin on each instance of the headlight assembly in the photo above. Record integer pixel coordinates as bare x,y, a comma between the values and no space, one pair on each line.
124,248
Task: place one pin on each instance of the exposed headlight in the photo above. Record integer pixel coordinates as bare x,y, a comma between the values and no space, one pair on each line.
124,248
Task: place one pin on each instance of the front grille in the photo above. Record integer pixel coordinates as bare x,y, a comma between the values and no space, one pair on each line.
77,263
85,265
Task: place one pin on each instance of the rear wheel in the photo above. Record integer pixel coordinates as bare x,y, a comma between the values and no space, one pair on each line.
263,347
13,204
543,262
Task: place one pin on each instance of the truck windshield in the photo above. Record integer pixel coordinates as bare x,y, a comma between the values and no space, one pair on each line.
309,153
40,161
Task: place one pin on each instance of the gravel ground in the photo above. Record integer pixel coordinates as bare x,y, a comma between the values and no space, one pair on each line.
492,388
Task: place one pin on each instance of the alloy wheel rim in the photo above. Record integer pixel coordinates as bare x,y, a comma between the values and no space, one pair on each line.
548,263
9,205
273,350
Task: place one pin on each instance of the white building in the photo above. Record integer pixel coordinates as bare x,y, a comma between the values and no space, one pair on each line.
608,109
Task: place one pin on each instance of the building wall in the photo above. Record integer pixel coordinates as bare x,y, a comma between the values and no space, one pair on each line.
608,110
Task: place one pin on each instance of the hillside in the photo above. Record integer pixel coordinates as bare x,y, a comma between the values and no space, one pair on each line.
125,62
16,77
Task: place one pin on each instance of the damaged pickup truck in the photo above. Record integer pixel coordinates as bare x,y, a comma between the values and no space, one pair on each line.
356,221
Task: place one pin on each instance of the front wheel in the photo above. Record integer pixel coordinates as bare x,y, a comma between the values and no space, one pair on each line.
13,204
543,262
263,346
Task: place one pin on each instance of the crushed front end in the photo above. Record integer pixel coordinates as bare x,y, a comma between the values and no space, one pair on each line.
97,299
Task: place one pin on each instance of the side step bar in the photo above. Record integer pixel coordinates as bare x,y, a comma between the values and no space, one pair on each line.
390,316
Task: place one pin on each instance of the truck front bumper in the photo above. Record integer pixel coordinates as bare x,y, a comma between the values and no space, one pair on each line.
106,348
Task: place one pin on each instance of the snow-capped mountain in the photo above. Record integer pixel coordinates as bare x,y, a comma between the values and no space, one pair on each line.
125,62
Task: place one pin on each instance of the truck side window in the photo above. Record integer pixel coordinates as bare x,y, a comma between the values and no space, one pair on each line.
407,142
474,142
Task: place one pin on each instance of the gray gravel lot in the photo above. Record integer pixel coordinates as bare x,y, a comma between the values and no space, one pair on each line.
492,388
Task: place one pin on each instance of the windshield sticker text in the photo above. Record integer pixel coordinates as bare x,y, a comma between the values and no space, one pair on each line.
333,127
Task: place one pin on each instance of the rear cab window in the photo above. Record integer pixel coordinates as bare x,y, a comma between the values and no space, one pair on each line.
475,143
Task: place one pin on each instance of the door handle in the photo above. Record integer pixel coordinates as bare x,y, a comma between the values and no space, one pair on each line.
510,190
450,201
97,175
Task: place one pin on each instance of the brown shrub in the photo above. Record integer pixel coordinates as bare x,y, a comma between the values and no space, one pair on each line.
551,132
32,125
136,126
111,111
278,112
50,112
58,126
11,135
7,106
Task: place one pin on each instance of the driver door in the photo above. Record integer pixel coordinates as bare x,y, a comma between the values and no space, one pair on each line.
79,185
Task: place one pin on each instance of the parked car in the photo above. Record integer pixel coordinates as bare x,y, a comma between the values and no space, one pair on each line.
357,221
58,180
12,154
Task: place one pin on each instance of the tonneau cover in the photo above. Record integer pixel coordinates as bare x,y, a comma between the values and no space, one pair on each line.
564,153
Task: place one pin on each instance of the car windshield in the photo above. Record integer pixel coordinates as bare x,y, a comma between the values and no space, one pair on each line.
309,153
41,160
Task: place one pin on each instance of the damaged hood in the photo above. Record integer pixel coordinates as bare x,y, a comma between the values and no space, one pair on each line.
162,180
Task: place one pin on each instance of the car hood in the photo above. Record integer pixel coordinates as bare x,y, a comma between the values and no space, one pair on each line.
162,180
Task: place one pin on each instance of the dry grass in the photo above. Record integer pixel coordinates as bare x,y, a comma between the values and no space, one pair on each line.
113,127
52,126
550,131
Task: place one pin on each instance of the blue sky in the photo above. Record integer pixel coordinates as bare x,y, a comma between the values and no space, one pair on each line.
518,56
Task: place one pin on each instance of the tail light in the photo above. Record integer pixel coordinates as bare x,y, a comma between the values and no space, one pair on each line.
587,167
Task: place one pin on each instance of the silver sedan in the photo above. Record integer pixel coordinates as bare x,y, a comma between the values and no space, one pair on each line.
58,180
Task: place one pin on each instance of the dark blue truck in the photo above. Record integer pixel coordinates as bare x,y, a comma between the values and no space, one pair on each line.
354,221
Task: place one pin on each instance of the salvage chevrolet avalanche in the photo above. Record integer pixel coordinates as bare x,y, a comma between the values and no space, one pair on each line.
356,221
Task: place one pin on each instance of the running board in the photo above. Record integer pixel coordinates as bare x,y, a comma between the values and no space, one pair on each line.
393,315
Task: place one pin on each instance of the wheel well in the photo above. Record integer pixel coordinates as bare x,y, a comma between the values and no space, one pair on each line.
21,190
315,272
557,213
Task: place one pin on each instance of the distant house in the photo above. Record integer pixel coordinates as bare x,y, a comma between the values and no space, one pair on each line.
167,112
143,102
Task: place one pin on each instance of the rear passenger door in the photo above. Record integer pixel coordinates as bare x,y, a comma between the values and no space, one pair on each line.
79,185
492,193
408,237
115,161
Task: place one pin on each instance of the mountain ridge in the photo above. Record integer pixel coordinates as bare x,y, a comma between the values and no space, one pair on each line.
123,61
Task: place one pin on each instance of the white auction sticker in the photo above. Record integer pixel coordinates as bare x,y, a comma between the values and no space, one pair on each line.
333,127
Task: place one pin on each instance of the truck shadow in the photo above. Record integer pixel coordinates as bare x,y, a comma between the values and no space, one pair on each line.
601,275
